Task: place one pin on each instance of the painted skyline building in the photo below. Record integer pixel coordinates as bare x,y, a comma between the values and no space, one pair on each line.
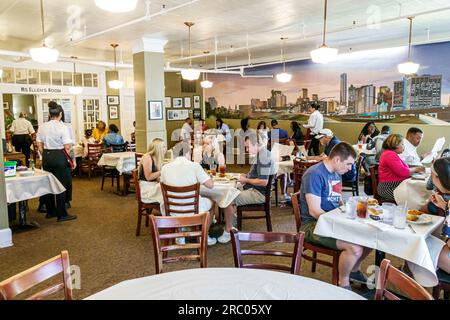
343,89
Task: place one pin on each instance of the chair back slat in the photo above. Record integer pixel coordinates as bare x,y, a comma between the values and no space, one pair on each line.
374,177
300,168
27,279
295,206
131,147
95,151
359,164
390,275
200,225
121,147
188,199
268,237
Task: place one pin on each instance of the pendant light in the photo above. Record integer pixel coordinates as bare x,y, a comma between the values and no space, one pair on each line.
206,84
115,84
75,90
190,73
283,77
324,54
116,5
44,54
409,67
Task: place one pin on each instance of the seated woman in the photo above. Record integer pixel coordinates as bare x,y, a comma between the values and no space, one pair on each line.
263,132
211,155
87,139
297,135
113,137
392,170
100,131
368,132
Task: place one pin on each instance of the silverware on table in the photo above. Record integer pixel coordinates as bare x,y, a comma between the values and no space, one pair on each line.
342,208
412,229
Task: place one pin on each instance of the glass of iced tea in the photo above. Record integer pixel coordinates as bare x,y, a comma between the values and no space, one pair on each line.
222,170
361,207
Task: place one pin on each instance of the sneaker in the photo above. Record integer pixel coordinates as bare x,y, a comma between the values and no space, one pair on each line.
211,241
225,237
358,277
180,240
67,218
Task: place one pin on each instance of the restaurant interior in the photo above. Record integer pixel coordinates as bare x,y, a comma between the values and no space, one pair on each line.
225,150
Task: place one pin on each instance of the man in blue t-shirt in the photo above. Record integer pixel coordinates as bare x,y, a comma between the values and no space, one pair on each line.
276,133
254,182
321,191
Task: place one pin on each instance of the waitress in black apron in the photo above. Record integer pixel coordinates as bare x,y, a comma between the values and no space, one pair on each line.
54,143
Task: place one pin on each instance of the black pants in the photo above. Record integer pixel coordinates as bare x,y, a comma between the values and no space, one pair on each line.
22,143
314,146
55,162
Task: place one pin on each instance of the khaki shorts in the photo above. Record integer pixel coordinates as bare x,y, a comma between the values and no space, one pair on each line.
308,229
249,196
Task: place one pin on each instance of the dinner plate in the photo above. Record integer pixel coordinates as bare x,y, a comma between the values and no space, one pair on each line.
423,219
25,173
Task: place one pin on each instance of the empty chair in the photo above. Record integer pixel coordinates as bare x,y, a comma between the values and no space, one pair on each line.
268,237
163,243
27,279
95,151
265,207
122,147
389,275
144,209
314,248
354,185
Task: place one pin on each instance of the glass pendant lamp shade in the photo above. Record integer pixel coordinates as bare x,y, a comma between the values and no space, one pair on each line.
206,84
190,73
116,5
284,77
44,54
409,67
116,83
324,54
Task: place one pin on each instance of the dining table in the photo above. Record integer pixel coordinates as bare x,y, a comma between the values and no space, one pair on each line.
224,284
122,161
415,243
363,149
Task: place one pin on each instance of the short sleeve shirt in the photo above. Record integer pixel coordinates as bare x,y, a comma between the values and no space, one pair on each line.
263,167
54,135
322,183
181,173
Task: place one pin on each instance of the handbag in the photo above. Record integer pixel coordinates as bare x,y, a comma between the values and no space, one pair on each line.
69,160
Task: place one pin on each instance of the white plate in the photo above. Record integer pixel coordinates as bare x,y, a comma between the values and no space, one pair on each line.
25,173
423,219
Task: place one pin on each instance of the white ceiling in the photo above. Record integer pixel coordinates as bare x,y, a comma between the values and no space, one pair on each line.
230,22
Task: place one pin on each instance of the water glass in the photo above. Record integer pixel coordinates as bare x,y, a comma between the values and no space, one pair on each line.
400,217
350,208
388,212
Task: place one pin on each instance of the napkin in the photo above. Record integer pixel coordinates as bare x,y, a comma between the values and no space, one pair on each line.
379,225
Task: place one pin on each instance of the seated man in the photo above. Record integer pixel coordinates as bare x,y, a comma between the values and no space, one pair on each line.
182,173
254,182
413,139
321,191
276,133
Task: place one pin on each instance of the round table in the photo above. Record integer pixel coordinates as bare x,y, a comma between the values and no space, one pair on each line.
224,284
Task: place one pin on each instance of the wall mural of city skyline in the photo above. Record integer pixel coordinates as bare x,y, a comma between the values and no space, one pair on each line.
366,71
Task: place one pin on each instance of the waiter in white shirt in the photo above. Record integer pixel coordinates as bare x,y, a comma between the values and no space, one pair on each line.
413,139
54,143
22,129
186,130
315,124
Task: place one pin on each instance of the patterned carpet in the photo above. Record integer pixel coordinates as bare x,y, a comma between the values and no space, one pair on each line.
103,244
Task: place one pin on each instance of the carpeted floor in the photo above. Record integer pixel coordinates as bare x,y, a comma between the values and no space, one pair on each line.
103,244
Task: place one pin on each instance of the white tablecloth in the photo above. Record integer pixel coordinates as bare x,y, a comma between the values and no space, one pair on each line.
419,248
284,167
413,191
123,161
371,152
223,193
24,188
224,284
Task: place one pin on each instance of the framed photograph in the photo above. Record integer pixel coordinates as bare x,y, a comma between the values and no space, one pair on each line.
177,115
113,112
197,103
177,102
167,102
112,100
197,114
5,105
187,102
155,110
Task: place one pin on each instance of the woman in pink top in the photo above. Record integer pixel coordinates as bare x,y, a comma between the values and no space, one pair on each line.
391,169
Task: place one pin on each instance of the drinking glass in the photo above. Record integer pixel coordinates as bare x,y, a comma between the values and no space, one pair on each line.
350,208
388,212
361,207
212,168
222,170
400,217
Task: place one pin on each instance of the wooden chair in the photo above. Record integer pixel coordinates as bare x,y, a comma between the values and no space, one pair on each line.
354,185
390,275
300,168
374,176
131,147
334,254
110,172
258,207
128,180
268,237
307,144
95,151
444,285
122,147
181,200
144,209
200,225
27,279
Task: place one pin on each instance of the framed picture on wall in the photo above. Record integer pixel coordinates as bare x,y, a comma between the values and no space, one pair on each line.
112,100
167,102
155,110
177,115
5,105
197,102
177,102
197,114
187,102
113,112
